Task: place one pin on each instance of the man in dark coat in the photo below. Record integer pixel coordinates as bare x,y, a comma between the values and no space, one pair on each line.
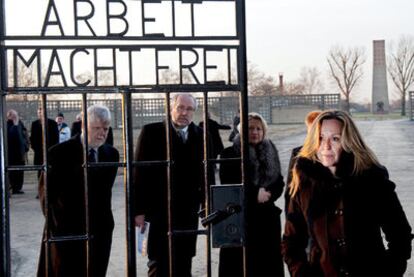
76,125
17,147
187,187
66,201
214,132
36,135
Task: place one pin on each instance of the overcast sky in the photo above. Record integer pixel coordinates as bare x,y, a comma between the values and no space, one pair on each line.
285,35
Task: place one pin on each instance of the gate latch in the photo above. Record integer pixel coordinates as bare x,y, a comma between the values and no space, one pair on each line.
220,215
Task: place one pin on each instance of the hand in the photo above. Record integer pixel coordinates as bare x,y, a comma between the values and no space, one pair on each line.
263,195
140,222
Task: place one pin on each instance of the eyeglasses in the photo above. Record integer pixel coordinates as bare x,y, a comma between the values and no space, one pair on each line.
184,109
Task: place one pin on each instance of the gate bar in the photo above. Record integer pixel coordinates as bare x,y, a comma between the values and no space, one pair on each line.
4,191
129,187
243,101
206,179
169,176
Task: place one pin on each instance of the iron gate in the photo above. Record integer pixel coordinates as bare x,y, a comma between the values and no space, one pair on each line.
121,47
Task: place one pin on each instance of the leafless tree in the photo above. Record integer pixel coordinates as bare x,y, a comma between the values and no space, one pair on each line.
310,79
259,83
293,88
346,69
25,78
401,67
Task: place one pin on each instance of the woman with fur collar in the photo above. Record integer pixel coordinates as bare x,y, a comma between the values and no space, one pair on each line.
341,200
264,185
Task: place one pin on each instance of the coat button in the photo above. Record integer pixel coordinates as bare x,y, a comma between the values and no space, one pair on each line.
339,212
341,242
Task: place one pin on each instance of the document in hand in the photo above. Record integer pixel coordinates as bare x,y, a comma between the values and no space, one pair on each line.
142,239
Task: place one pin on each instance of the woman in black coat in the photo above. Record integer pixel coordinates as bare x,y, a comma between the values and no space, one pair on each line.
341,201
264,185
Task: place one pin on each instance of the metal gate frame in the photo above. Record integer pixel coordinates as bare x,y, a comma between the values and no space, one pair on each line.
8,43
411,96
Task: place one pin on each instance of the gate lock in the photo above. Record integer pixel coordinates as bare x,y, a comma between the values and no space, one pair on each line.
227,218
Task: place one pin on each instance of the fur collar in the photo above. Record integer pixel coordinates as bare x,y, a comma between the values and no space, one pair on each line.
317,188
315,170
308,169
264,164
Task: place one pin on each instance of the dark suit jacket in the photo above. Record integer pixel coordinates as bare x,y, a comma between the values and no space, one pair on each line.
214,132
67,210
36,138
187,186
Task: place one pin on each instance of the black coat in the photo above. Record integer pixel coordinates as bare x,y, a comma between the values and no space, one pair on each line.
340,221
17,146
36,138
67,210
187,186
17,143
263,230
76,128
215,138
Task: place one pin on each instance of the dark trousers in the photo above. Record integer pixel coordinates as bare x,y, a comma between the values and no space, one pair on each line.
16,179
100,253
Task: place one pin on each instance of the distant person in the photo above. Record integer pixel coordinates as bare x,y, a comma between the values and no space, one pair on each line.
214,131
36,137
76,125
66,199
310,117
236,122
77,129
187,186
64,130
344,217
17,148
264,185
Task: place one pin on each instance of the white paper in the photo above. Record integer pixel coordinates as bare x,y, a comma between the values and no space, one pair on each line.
142,239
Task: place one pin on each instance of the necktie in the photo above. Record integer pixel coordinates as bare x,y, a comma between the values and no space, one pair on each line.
92,156
181,134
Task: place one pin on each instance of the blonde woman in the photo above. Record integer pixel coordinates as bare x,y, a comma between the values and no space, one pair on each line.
264,185
340,201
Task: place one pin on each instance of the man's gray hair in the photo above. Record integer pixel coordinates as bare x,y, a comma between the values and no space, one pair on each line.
176,95
99,113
